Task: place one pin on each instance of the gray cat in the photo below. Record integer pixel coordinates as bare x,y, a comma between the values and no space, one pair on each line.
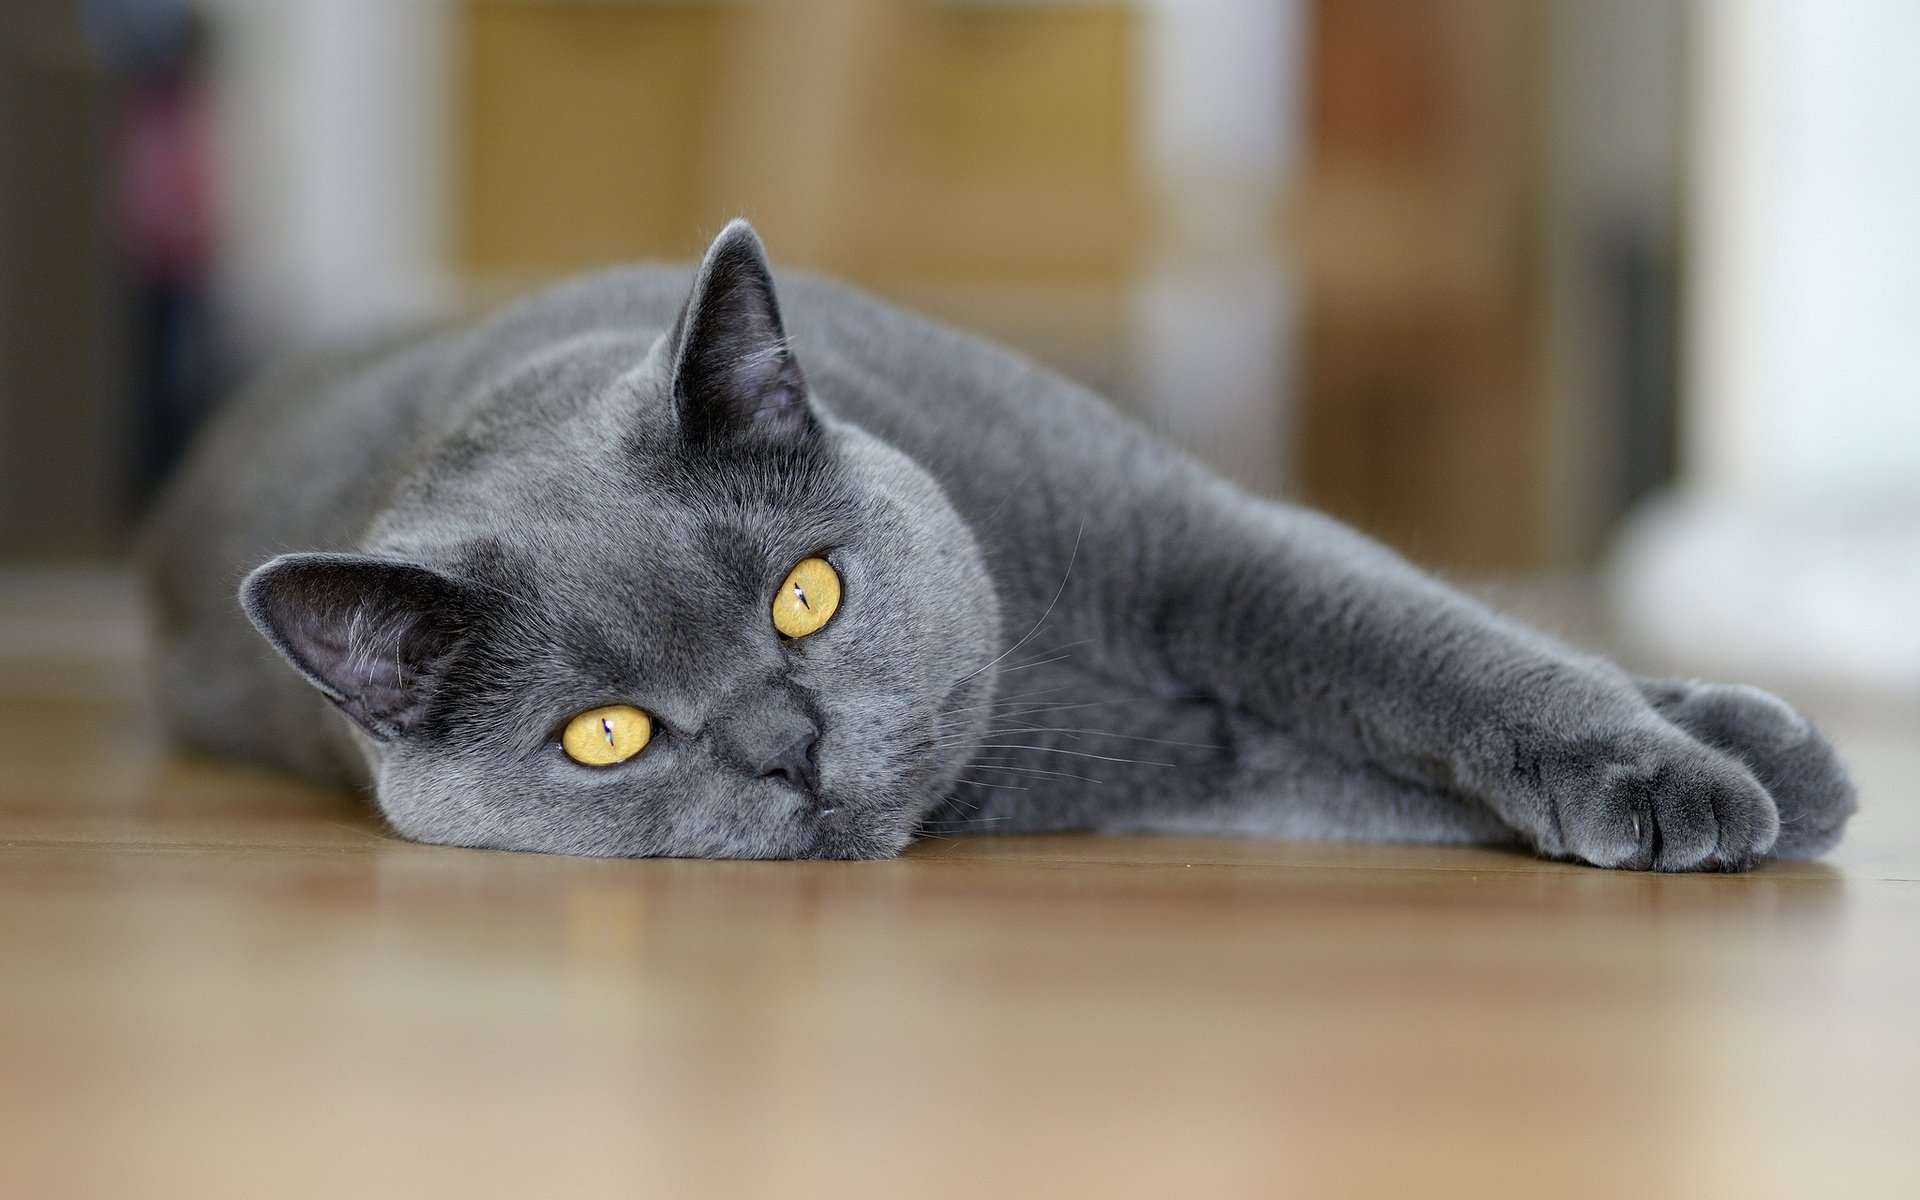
607,574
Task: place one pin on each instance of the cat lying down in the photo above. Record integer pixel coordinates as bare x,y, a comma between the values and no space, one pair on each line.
659,565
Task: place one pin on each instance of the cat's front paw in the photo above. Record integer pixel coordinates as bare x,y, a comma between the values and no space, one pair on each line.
1648,797
1795,762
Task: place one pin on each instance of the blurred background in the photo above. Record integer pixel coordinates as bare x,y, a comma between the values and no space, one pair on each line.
1622,292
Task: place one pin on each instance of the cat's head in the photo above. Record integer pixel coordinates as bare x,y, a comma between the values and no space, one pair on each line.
656,607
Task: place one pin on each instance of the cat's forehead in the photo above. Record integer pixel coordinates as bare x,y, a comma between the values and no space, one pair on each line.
635,559
661,555
616,611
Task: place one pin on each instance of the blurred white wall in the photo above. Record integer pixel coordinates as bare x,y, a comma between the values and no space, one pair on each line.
1216,311
1794,548
332,182
1808,365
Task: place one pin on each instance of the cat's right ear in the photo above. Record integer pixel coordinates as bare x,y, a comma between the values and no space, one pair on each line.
367,632
733,372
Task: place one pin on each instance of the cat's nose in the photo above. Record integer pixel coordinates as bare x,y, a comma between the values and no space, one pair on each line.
795,763
769,734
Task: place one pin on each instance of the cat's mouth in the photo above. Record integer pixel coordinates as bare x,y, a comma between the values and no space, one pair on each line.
841,833
915,763
878,826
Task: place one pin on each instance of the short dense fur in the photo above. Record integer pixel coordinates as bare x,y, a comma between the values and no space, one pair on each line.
1050,621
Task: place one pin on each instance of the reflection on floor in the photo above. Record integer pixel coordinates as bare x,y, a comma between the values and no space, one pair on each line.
221,983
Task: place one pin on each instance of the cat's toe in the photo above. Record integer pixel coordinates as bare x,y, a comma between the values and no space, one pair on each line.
1792,759
1665,804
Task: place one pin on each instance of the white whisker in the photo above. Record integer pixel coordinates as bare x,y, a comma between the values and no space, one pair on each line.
1059,592
1144,762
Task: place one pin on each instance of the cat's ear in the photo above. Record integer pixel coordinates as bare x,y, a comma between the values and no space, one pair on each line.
367,632
732,370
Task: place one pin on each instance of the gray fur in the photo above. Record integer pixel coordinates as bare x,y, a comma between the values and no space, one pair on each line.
1051,621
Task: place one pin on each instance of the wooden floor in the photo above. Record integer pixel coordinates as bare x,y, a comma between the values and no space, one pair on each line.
215,983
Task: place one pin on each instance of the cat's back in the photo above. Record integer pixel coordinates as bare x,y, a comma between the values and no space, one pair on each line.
308,453
298,459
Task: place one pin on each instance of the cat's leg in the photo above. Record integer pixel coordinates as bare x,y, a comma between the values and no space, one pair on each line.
1793,760
1334,639
1068,750
1276,785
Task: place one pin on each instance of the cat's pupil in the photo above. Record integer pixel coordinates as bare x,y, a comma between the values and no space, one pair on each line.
802,597
606,727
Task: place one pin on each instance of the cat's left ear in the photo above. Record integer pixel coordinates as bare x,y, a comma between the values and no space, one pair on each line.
368,632
732,371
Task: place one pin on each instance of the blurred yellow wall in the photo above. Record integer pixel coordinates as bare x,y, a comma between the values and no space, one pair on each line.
891,143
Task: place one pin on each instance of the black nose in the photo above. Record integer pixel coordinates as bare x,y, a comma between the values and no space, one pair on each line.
795,763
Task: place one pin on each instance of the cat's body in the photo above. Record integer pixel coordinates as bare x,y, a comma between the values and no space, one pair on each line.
1051,622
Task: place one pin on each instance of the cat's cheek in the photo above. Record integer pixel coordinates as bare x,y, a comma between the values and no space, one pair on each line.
427,814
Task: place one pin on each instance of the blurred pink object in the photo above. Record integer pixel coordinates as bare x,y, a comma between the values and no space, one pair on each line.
164,195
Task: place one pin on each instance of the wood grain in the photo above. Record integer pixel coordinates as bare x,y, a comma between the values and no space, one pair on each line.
220,983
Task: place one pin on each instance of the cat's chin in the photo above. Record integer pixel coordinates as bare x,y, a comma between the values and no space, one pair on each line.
842,833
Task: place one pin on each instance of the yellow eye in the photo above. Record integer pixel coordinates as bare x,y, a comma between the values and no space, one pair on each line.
806,598
601,737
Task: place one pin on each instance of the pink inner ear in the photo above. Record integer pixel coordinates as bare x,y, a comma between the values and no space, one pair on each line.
363,630
776,383
372,660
